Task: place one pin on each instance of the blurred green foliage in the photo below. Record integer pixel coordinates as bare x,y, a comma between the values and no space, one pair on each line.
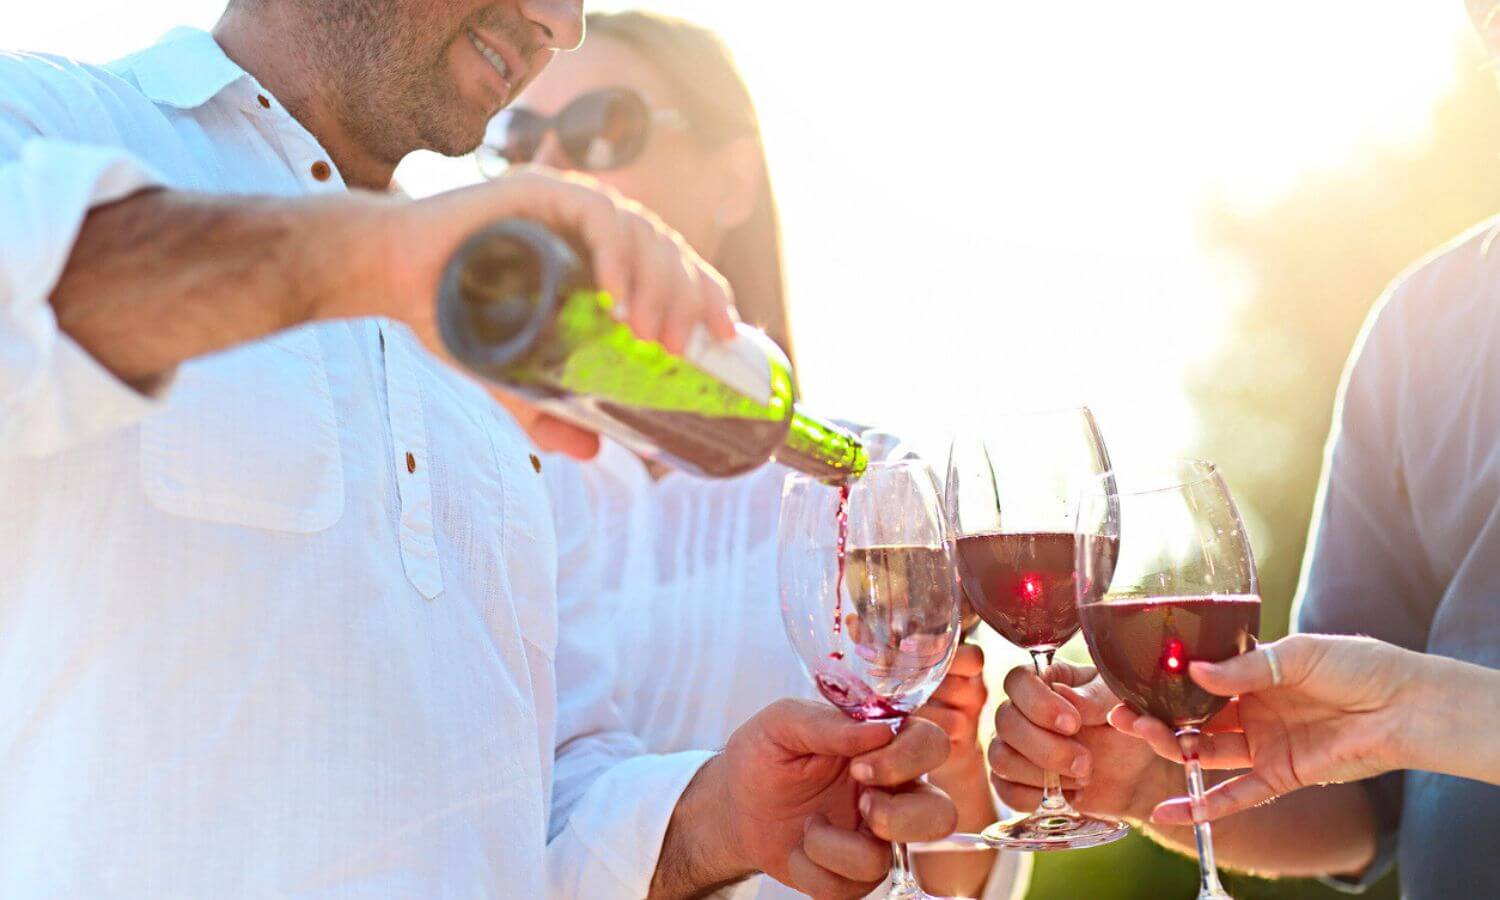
1317,258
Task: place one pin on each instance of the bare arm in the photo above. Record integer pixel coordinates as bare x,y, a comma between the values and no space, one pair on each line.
1342,709
163,276
697,854
1457,728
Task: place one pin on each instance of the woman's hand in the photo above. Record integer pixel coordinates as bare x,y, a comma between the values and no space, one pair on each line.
1057,723
956,707
1315,709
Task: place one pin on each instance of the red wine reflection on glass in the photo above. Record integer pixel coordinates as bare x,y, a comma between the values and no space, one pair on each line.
1179,586
876,625
1010,499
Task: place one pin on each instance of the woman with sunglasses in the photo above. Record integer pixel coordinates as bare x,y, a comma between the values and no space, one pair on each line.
655,108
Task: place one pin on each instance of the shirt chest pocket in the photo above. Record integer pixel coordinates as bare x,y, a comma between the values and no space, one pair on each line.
249,437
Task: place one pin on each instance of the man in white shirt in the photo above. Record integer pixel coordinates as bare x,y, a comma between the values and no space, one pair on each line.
279,591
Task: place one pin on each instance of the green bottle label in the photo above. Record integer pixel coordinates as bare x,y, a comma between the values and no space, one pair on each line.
591,353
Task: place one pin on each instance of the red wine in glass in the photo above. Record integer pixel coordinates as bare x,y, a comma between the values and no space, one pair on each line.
1143,647
1022,585
856,699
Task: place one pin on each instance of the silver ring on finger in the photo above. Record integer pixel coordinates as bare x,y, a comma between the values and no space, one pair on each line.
1275,664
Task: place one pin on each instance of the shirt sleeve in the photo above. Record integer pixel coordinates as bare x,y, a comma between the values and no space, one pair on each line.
1366,572
53,394
611,801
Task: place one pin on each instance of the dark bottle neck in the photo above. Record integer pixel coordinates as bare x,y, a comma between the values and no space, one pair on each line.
822,450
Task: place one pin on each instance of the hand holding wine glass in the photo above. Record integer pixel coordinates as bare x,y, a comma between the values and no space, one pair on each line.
1318,709
814,798
1056,722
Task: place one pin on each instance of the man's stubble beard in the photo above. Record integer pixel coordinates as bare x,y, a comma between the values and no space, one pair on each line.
393,91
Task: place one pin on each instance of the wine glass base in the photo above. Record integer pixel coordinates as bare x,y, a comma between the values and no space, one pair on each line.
1054,831
898,894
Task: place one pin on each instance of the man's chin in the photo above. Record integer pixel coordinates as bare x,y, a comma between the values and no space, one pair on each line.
458,136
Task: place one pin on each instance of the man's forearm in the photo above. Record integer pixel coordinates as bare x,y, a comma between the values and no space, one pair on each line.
1276,839
697,858
163,276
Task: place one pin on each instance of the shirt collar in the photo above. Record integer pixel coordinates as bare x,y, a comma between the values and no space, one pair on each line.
186,69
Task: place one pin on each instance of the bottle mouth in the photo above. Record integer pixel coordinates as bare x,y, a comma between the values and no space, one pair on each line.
500,290
822,451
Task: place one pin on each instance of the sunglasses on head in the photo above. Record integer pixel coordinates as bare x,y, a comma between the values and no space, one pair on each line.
600,130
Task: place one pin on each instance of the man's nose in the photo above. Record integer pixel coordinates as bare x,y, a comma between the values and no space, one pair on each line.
559,23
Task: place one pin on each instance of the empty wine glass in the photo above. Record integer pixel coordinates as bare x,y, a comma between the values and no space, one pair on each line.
869,597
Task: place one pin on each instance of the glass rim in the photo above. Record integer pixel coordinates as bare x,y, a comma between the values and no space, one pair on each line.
1021,413
878,465
1208,471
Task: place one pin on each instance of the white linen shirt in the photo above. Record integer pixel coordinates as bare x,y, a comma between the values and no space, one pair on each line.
289,627
690,582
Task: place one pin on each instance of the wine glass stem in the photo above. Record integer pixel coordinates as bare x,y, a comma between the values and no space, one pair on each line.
903,881
1208,871
1053,800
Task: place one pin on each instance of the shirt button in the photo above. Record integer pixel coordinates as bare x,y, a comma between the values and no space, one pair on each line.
411,463
321,171
263,101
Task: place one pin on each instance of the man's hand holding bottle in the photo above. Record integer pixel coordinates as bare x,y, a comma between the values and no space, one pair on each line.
665,288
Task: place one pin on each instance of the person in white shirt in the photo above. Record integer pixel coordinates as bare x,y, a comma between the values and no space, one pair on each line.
654,107
287,607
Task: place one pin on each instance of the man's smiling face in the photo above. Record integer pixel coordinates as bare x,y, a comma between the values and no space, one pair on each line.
429,74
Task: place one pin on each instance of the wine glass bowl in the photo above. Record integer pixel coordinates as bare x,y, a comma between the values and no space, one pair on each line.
869,597
874,622
1178,585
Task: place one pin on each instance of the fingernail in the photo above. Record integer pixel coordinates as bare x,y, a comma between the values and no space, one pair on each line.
1067,723
862,771
864,804
1080,767
807,826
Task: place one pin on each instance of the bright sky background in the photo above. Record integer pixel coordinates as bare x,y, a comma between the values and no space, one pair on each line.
996,208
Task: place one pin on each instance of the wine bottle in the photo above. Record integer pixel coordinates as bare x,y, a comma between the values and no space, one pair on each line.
517,305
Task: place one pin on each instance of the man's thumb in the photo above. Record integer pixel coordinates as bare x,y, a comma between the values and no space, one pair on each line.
803,727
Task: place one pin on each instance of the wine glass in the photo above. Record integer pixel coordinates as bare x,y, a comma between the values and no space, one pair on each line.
1165,577
1010,501
869,598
